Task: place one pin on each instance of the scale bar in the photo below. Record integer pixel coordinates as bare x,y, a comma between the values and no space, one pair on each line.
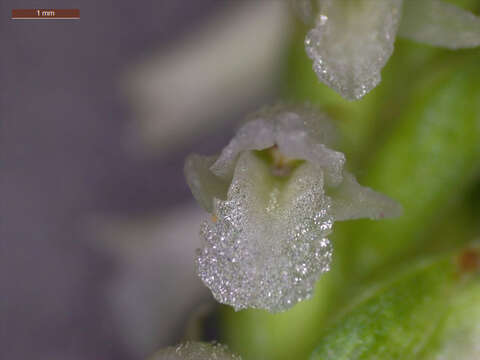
45,14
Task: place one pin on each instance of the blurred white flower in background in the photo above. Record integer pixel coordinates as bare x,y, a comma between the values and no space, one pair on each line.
274,193
353,39
195,351
155,287
182,91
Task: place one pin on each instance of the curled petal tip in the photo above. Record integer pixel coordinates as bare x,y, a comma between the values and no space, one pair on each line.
353,201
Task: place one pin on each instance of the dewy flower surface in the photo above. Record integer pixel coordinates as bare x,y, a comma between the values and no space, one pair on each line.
353,39
274,193
195,351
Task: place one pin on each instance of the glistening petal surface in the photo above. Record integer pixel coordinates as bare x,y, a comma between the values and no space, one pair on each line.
351,42
268,245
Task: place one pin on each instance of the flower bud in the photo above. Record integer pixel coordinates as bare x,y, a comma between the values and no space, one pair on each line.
195,351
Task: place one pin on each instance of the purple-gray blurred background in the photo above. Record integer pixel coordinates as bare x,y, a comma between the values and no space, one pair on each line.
63,156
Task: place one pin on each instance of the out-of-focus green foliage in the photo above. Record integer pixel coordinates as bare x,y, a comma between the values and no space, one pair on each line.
415,138
430,158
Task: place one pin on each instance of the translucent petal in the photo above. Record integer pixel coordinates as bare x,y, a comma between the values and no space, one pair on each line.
353,201
438,23
254,135
268,245
204,184
351,42
195,351
318,126
300,133
294,140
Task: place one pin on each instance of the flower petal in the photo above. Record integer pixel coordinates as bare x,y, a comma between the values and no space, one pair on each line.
354,201
438,23
254,135
295,140
204,184
352,41
268,245
300,133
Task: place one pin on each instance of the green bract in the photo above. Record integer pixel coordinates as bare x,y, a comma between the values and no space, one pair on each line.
428,312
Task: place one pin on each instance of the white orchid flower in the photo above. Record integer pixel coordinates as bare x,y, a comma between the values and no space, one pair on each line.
274,193
195,351
353,39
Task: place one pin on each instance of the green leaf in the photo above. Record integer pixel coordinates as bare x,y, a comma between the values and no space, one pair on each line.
415,315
